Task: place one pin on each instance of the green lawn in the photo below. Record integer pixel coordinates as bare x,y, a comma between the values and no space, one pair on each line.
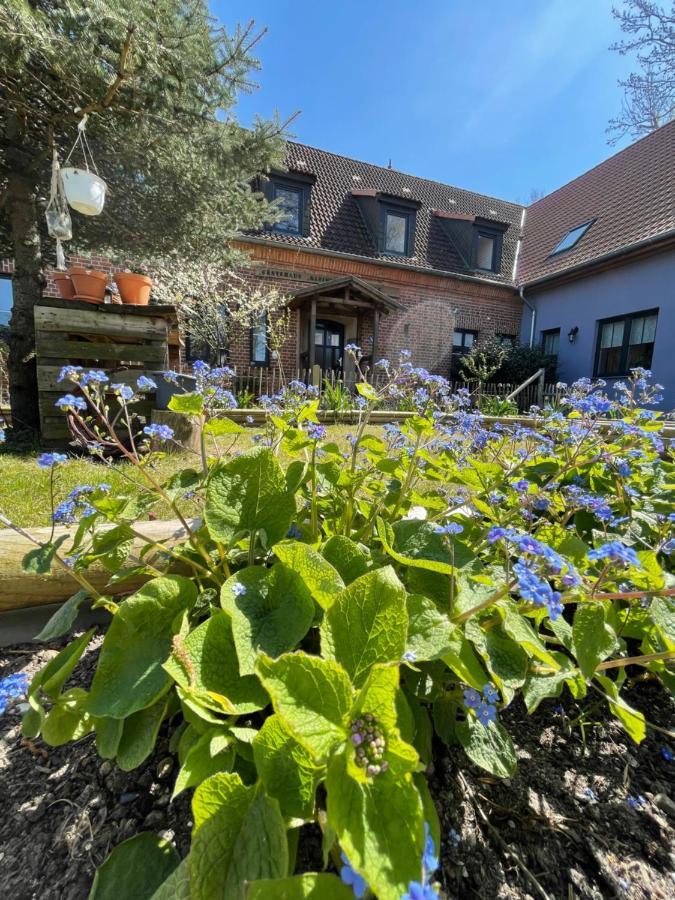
24,488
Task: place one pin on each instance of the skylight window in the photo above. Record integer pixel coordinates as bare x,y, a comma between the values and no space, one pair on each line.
573,236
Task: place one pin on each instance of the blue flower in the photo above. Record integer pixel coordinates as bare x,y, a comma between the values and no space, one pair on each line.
2,435
418,891
70,373
520,486
294,532
352,348
667,754
352,878
486,713
47,460
382,364
146,384
69,402
94,376
615,552
429,859
536,590
13,687
170,375
490,693
161,432
636,803
472,698
199,367
316,432
124,391
450,528
65,512
410,656
238,589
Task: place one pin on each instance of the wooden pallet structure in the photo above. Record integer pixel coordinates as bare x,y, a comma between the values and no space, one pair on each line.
125,341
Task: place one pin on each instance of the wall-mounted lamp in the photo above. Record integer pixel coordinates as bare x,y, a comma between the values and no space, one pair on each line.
572,334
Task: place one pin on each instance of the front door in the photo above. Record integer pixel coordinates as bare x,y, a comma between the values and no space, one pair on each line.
329,340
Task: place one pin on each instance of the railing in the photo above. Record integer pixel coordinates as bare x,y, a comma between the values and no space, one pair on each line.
251,383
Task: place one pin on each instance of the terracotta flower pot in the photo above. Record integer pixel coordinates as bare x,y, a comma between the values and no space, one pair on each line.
89,284
133,288
65,285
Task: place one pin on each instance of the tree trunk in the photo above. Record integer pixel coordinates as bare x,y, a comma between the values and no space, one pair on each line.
28,283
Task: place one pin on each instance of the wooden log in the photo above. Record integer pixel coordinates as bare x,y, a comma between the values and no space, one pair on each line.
19,589
48,346
87,321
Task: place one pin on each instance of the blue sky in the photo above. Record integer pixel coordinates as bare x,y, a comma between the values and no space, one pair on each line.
498,97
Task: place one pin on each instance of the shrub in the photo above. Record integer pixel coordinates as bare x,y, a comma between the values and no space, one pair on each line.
323,621
522,361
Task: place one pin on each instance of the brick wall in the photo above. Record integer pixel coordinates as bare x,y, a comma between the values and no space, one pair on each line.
434,305
102,263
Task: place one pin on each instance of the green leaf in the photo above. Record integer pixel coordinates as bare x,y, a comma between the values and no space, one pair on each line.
272,615
204,664
187,404
541,687
633,721
181,482
429,629
286,769
518,628
108,736
139,736
239,836
319,576
249,494
379,825
662,614
594,639
135,869
212,752
310,886
220,427
62,620
346,557
51,679
129,675
39,561
464,662
489,746
431,565
366,624
366,390
68,719
505,659
312,696
177,885
112,547
417,540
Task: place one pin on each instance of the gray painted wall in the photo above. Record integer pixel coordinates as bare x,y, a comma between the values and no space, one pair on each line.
646,284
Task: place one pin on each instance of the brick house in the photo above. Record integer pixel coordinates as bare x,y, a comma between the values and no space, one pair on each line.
391,261
383,259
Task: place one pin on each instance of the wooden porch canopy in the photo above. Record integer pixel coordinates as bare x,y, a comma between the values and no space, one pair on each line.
344,296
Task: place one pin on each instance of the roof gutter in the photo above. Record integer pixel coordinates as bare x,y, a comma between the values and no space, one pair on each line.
607,257
514,277
246,239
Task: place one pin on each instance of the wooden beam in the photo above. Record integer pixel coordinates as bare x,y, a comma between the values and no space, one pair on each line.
312,334
376,333
19,589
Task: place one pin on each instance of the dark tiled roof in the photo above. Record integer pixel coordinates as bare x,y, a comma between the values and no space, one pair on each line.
631,196
337,223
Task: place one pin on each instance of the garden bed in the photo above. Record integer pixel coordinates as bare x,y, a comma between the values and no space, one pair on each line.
566,814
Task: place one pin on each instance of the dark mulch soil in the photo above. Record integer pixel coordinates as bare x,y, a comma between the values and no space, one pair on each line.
564,818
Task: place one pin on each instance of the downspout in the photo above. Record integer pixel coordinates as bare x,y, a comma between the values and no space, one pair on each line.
521,289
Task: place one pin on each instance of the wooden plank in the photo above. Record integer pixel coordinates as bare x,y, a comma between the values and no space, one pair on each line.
112,309
87,321
48,377
49,347
19,590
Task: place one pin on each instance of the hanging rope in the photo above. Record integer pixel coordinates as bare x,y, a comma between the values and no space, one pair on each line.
59,223
83,143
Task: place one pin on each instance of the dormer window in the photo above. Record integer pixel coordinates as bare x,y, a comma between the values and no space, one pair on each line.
289,201
291,193
397,224
487,248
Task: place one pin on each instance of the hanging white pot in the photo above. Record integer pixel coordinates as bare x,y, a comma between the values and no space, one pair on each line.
85,191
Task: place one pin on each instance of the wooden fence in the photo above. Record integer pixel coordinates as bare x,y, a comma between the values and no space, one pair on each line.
251,383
